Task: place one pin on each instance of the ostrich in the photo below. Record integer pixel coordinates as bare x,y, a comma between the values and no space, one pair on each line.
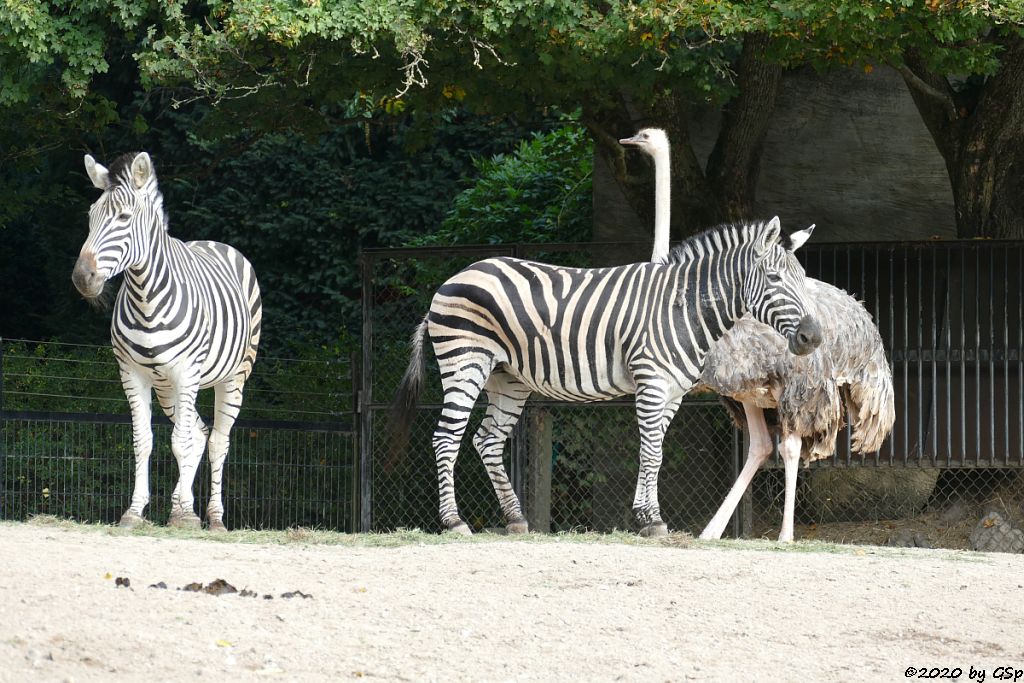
804,396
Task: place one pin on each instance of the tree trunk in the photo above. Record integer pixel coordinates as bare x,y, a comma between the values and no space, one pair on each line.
735,162
978,132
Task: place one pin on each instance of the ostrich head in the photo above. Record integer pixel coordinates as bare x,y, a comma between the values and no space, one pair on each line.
652,141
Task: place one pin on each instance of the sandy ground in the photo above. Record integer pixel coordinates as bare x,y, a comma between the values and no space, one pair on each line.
496,609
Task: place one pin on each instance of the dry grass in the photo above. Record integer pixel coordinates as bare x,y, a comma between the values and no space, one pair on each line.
416,537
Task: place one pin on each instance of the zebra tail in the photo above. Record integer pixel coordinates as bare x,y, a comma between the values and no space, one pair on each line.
403,408
870,405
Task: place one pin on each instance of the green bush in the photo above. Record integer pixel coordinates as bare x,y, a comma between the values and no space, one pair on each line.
540,193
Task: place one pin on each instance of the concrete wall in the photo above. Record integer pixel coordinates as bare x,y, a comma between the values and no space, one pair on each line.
846,150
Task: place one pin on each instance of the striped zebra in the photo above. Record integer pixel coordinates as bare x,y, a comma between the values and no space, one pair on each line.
187,317
512,327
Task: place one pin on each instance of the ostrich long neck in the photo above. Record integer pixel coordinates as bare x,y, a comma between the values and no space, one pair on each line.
662,204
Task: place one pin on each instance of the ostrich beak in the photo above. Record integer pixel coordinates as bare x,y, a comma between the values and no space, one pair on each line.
630,142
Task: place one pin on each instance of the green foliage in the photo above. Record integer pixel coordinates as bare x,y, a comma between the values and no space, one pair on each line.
299,206
956,38
316,386
300,209
540,193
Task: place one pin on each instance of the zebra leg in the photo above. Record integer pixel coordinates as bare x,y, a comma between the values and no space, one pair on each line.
506,397
462,384
180,406
757,453
789,450
639,498
138,392
228,403
652,402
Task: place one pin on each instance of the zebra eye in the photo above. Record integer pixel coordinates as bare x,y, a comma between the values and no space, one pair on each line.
774,277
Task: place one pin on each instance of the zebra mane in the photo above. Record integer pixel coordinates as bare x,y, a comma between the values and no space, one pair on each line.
121,171
728,233
121,168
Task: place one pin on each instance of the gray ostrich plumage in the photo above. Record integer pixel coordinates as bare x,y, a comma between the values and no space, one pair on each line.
753,371
750,364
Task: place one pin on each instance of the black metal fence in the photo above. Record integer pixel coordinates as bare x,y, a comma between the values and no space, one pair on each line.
950,314
66,441
313,448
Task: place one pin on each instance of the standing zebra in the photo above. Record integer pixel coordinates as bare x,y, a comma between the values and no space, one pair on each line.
187,317
512,327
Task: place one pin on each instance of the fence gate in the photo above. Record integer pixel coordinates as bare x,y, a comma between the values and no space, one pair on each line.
66,442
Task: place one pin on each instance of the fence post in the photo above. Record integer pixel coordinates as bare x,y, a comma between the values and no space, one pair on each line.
3,440
743,520
352,523
539,469
365,396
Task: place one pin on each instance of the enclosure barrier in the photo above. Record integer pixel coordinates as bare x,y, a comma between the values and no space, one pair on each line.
313,447
950,315
66,441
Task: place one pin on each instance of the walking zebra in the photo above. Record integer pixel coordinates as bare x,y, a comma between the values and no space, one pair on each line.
512,327
187,317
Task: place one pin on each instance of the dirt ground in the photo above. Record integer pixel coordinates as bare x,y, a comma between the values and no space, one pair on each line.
424,608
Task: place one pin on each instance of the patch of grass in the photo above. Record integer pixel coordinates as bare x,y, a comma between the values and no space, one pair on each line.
412,537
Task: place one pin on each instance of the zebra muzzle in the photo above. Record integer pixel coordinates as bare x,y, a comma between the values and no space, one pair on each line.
806,337
86,277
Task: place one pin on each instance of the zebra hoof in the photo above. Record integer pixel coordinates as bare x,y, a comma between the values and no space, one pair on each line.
217,526
654,530
460,528
518,526
130,520
185,521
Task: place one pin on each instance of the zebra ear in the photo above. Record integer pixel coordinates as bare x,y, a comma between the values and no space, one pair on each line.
769,236
142,169
97,174
798,238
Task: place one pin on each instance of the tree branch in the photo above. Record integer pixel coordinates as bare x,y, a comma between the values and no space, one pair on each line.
613,151
915,82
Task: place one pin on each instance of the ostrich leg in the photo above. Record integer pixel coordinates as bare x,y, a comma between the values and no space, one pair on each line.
758,452
789,449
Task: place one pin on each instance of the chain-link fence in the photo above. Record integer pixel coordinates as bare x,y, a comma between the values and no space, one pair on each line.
950,314
950,317
66,441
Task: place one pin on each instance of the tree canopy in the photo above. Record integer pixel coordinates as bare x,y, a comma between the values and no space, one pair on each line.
307,62
617,61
